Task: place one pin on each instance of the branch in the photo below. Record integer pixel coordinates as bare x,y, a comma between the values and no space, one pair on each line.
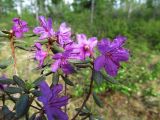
86,99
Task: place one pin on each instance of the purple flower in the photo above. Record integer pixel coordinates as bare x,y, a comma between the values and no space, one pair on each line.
19,27
45,29
3,86
52,101
112,54
85,47
64,35
40,55
73,51
61,61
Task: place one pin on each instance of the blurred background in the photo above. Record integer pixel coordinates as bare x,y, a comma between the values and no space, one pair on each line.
138,95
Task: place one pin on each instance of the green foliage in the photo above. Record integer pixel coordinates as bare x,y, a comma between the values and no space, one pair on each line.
19,81
22,105
5,63
6,81
55,78
38,80
13,90
67,81
97,100
7,114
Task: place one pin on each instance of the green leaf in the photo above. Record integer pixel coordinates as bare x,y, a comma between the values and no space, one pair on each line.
22,105
83,114
98,77
6,81
97,100
5,63
5,32
36,93
82,65
7,114
108,78
38,80
56,49
13,90
3,66
2,34
80,62
91,117
19,81
29,86
67,81
55,78
82,111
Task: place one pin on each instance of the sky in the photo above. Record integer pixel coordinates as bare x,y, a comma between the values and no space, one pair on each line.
28,3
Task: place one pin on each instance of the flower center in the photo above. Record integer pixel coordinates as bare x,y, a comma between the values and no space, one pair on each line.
108,54
86,47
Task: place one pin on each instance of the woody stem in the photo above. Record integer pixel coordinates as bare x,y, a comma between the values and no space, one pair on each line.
13,52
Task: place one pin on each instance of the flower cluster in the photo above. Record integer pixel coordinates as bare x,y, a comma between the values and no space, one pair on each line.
52,101
19,27
80,48
72,50
112,52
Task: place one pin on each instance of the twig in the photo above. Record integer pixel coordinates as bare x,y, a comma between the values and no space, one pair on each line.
86,99
11,97
85,117
65,92
36,107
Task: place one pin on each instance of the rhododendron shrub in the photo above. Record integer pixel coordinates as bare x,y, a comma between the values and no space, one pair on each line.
64,54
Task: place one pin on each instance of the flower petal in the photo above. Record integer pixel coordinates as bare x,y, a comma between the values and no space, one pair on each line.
43,21
121,55
40,55
25,29
18,34
57,56
56,89
119,41
111,67
82,39
44,35
49,113
60,102
38,45
67,68
99,63
92,42
64,34
49,23
44,88
104,45
38,30
56,65
59,115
